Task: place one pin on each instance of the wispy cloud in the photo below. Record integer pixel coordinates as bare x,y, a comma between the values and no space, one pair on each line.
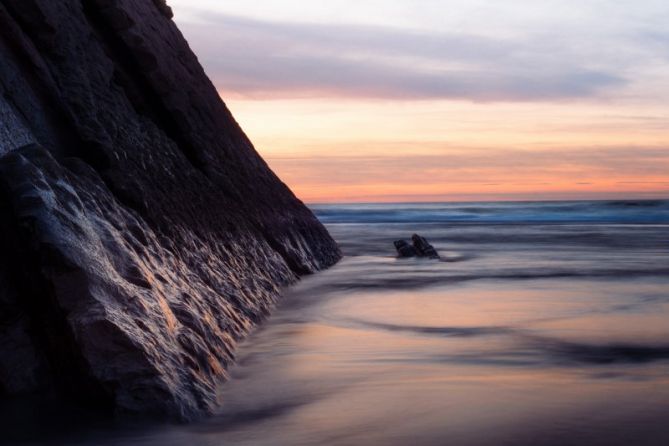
441,99
483,171
259,58
486,166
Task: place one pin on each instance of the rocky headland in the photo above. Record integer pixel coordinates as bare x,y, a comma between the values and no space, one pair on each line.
141,234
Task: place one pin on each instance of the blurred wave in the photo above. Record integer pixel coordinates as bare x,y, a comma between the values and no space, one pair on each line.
623,211
543,323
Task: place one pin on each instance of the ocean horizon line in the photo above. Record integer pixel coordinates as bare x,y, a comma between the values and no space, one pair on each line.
584,200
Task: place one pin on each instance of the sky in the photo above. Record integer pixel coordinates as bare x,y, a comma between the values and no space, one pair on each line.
445,100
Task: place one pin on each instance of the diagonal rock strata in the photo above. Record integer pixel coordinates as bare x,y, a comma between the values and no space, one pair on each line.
142,235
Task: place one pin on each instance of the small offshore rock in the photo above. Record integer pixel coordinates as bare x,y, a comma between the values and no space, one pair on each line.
419,247
423,248
404,249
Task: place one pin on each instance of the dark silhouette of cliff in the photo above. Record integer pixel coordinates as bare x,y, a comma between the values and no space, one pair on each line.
141,235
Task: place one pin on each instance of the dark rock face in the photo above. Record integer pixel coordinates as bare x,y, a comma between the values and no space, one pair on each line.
404,249
419,248
423,248
141,233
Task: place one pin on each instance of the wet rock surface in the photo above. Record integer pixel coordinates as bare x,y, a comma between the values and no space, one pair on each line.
404,249
423,248
142,236
419,247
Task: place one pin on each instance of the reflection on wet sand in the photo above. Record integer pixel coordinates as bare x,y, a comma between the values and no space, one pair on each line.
481,362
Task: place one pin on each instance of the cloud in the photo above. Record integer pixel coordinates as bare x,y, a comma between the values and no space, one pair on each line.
624,165
262,59
563,173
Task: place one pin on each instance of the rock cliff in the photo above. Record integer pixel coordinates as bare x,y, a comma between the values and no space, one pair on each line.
141,235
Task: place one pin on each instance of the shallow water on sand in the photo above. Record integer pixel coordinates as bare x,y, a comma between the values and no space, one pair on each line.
548,332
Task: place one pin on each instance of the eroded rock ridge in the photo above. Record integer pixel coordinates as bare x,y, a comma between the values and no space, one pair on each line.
141,234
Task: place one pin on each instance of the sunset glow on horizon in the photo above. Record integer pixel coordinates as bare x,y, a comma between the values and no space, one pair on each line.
446,100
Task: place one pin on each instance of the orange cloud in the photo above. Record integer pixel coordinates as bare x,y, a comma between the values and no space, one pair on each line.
492,105
346,150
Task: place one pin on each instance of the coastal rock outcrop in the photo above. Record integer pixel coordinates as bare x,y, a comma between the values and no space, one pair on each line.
423,248
404,249
419,247
141,235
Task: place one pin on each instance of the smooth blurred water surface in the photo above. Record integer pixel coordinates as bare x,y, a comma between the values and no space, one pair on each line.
543,324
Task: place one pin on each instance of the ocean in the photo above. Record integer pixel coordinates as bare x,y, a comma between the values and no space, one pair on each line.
543,323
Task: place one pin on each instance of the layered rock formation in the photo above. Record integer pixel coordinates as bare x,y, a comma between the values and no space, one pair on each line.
141,235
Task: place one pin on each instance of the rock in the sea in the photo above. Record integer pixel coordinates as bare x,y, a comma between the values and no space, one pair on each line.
141,234
419,248
404,249
423,248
